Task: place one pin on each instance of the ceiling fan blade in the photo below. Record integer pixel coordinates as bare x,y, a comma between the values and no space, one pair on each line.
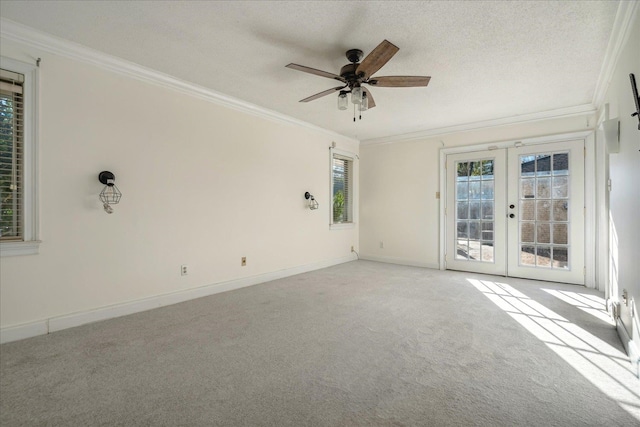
371,103
315,72
399,81
377,58
321,94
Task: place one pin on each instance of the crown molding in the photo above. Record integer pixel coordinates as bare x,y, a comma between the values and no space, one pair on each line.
579,110
29,36
14,31
619,36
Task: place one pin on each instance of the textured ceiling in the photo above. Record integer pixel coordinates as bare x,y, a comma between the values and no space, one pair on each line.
488,60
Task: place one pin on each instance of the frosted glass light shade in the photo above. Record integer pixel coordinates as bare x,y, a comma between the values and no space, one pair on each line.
356,95
364,105
342,101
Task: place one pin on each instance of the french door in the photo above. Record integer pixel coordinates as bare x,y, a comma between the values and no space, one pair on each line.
517,211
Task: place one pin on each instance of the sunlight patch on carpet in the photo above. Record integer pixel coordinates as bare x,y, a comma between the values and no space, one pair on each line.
600,363
591,304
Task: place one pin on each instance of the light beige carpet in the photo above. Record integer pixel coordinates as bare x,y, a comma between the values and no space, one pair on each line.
361,343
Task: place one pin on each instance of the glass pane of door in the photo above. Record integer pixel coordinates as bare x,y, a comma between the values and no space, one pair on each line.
544,205
475,205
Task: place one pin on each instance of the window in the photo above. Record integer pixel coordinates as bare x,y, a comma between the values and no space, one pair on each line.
342,193
11,151
18,220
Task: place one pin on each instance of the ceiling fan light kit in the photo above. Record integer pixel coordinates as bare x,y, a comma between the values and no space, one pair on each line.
357,73
342,100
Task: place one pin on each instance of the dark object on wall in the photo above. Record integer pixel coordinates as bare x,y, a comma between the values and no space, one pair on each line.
106,176
313,204
636,98
110,194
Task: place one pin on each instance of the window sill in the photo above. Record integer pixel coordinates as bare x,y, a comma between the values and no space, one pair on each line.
8,249
342,226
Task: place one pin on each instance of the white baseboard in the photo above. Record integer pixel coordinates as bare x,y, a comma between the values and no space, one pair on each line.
629,346
42,327
27,330
400,261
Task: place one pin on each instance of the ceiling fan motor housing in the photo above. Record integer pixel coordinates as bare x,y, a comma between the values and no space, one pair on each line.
354,55
348,72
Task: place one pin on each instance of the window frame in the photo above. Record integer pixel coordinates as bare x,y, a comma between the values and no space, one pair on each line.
352,205
30,242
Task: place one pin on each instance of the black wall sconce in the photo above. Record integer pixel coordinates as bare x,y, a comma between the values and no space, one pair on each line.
110,194
313,204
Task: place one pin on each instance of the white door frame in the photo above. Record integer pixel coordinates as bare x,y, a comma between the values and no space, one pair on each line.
574,272
498,265
591,258
601,159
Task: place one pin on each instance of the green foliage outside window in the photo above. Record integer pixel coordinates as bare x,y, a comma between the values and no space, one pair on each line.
338,207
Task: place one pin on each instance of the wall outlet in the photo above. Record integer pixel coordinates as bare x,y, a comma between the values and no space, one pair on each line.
184,269
381,244
615,310
244,261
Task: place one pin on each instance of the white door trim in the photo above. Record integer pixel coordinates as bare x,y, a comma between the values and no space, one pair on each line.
590,188
590,214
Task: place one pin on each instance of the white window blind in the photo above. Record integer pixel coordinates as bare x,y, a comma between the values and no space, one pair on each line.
11,156
342,189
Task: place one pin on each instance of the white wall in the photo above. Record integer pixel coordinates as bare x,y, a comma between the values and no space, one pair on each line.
202,185
399,182
624,172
